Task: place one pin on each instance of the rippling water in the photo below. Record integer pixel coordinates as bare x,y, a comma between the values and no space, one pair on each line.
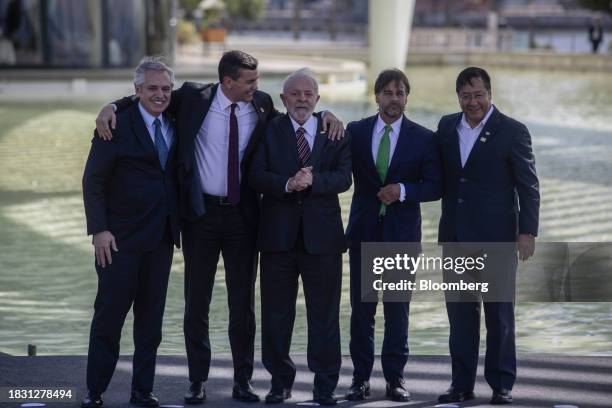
47,279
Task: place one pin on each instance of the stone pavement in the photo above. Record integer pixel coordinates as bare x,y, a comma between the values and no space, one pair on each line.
544,381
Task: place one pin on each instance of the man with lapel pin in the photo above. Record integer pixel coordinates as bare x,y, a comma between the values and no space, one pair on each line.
300,173
395,167
218,127
490,195
130,196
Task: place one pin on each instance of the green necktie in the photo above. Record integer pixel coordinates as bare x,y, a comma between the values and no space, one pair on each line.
382,161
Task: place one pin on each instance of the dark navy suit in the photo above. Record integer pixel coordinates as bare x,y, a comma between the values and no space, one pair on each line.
493,198
414,164
126,192
301,234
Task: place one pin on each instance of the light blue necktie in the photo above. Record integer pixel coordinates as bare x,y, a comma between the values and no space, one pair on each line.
160,144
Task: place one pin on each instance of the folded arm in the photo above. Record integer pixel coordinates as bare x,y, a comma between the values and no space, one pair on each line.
107,118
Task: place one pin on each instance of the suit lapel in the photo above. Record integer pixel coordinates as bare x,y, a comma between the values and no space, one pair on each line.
485,136
175,141
317,147
259,127
402,144
140,130
454,144
290,138
367,146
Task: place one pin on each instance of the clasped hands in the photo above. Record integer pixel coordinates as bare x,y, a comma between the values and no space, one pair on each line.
301,180
389,193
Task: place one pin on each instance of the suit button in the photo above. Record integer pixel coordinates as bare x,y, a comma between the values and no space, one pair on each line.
460,200
462,180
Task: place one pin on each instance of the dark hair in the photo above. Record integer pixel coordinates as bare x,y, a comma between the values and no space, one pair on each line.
465,78
232,61
391,75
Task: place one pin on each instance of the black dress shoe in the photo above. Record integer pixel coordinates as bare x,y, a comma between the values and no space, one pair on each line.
196,393
358,391
396,391
324,398
452,395
243,391
92,400
278,395
501,397
143,399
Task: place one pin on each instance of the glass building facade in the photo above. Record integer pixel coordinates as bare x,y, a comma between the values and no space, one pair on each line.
84,33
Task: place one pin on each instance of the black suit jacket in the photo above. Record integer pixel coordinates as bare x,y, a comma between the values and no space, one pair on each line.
495,196
189,105
317,209
125,189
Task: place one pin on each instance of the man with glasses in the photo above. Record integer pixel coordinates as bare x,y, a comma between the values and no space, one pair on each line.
490,194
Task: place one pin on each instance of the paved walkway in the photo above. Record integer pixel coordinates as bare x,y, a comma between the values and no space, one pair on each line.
544,381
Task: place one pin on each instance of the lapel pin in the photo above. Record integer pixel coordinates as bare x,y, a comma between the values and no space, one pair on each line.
483,139
261,109
487,133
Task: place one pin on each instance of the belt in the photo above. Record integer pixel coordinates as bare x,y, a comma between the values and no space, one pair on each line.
221,201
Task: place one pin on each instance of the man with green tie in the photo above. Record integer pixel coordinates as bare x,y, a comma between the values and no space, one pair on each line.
394,169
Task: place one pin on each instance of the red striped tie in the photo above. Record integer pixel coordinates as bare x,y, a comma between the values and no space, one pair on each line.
302,147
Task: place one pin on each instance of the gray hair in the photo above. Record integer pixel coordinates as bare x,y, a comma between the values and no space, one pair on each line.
300,73
151,64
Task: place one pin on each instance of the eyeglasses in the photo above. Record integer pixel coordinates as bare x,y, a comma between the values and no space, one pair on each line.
480,96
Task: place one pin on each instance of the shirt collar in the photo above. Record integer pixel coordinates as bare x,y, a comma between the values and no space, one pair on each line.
225,103
149,119
380,125
483,122
310,125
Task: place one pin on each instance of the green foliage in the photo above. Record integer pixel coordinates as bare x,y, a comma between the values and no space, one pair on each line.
598,5
211,18
186,32
189,6
245,9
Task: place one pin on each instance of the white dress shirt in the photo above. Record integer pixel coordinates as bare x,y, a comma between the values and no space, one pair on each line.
310,128
166,126
379,131
212,141
468,135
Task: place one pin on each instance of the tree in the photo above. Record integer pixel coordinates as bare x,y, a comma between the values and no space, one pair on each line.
189,6
245,9
598,5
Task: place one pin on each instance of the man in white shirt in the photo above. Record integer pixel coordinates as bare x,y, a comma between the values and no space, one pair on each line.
395,168
490,196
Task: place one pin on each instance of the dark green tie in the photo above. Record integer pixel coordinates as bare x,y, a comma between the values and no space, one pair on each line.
382,161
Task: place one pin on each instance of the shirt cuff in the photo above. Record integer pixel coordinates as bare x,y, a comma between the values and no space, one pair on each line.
402,193
114,107
287,186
